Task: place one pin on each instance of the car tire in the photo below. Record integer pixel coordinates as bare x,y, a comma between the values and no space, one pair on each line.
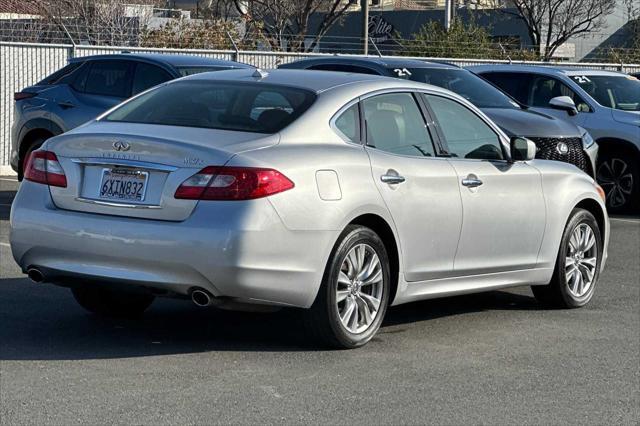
112,303
354,294
619,176
577,266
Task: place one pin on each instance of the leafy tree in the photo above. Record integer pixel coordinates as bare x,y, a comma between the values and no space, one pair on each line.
463,40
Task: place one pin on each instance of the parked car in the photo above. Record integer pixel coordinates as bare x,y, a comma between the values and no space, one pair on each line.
605,103
87,87
636,75
556,139
338,193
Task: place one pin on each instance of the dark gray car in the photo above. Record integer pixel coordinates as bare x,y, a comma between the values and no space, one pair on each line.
87,87
555,138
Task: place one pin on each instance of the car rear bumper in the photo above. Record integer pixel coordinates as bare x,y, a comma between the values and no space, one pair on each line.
239,250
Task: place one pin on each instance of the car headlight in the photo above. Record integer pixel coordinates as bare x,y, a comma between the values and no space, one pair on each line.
587,141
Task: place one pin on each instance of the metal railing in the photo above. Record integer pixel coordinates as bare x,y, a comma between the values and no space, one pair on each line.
24,64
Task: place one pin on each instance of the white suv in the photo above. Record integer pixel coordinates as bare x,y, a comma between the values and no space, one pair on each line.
606,103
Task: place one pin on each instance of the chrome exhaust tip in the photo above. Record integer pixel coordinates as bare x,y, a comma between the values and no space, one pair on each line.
201,298
35,275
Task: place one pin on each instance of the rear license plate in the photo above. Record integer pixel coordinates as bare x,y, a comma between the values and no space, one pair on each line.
123,184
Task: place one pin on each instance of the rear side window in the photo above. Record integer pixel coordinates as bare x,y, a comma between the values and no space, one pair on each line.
348,123
395,124
147,76
107,78
466,134
62,73
185,71
247,107
344,68
515,84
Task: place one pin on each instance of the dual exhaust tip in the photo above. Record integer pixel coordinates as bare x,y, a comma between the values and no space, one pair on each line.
198,296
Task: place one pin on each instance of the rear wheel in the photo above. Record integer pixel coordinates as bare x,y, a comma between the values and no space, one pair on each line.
578,264
619,176
354,294
111,303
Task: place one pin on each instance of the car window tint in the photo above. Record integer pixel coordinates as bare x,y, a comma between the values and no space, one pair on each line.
248,107
466,134
62,73
515,84
109,78
348,123
344,68
395,124
147,76
544,88
185,71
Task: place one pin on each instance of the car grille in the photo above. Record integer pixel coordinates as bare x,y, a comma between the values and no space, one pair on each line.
548,150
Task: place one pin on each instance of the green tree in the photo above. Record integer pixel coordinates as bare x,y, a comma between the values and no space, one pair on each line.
463,40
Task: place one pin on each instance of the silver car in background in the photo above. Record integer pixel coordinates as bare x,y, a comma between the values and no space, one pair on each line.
339,193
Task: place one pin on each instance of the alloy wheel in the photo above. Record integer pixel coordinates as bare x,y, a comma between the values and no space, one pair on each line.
359,289
616,178
581,260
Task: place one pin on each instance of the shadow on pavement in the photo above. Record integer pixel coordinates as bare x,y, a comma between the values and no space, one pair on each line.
43,322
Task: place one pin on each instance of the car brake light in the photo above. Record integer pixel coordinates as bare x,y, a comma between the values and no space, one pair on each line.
18,96
44,167
232,184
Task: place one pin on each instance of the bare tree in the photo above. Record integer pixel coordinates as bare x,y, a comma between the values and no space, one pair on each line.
550,23
108,22
287,22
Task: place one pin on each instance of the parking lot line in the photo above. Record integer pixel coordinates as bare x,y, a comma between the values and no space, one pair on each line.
8,179
625,220
5,244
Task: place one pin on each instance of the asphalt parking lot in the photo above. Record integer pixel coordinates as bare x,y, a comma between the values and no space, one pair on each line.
491,358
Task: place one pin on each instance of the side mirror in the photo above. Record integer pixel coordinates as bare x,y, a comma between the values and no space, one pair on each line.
564,103
523,149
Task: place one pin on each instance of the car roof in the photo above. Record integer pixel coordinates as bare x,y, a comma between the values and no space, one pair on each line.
371,60
169,59
541,69
315,81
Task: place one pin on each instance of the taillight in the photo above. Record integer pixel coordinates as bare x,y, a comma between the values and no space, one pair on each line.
44,167
233,183
18,96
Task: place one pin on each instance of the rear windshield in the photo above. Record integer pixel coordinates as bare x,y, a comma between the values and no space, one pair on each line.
247,107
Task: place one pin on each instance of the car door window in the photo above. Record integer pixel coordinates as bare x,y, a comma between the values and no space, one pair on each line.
147,76
348,123
544,88
515,84
344,68
107,78
466,134
395,124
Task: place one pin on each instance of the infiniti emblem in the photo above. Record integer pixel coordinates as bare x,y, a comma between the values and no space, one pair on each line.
121,146
562,148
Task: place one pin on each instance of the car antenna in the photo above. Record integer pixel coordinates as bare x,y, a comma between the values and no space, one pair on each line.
375,46
259,73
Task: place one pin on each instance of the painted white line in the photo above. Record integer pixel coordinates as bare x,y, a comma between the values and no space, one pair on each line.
624,220
9,180
5,244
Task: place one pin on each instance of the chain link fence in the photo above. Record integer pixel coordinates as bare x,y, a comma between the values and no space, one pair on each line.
24,64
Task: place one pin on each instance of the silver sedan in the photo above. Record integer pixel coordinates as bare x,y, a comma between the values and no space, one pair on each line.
339,193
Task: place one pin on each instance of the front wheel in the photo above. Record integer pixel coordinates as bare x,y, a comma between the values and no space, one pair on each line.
111,303
577,266
354,294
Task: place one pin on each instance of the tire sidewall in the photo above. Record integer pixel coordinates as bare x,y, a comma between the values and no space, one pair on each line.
348,240
578,217
631,160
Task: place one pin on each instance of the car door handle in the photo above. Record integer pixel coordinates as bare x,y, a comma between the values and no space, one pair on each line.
66,104
392,179
471,182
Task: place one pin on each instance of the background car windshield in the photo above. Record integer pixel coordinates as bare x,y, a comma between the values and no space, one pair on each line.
614,92
217,105
464,83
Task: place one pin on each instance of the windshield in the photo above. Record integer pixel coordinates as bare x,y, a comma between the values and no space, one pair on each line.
247,107
463,82
618,92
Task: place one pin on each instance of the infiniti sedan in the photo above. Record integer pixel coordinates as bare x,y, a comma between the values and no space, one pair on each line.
341,194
